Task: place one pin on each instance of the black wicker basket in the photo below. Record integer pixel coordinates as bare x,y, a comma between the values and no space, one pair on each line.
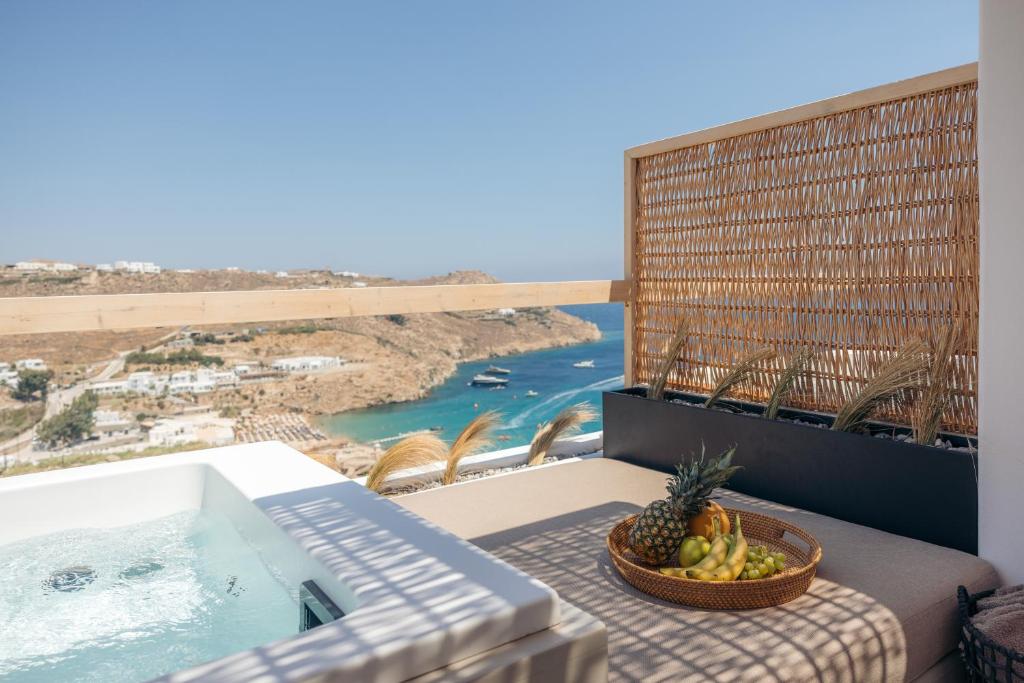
984,659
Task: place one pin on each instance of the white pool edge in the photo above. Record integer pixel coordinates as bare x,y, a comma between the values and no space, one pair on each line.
424,598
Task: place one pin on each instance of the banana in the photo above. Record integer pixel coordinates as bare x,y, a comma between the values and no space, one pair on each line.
716,554
731,567
678,572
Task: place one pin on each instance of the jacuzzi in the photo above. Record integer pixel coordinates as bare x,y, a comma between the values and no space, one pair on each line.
187,538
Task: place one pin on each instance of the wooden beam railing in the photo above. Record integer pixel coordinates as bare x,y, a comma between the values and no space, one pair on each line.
28,315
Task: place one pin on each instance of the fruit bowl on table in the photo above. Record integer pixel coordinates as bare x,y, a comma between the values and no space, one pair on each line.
803,553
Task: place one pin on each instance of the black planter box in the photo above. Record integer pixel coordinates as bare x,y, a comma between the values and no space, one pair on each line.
921,492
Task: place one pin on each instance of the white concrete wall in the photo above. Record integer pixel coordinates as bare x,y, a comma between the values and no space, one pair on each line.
1001,382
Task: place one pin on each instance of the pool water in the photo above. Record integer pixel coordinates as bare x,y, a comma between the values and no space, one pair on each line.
135,602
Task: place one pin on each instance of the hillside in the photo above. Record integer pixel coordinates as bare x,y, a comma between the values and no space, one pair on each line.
391,358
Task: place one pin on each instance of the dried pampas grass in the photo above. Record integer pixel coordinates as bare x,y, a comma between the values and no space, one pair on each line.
656,390
412,451
902,373
565,423
786,381
738,374
325,459
473,438
926,418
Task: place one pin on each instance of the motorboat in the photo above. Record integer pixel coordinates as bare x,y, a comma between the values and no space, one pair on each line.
482,380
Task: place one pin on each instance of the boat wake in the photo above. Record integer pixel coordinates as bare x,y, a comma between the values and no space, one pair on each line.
560,398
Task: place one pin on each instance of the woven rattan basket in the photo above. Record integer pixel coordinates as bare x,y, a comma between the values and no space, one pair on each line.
801,562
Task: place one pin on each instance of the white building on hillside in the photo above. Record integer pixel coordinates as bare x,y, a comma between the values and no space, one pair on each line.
30,364
180,343
44,266
8,376
171,432
104,268
307,363
146,382
113,423
178,431
110,388
201,381
145,267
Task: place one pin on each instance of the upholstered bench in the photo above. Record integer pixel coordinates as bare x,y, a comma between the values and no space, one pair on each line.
882,608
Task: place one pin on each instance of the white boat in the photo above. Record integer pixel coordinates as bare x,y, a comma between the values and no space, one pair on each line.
488,381
495,370
531,393
584,364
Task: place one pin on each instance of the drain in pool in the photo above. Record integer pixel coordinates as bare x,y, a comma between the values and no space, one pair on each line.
69,579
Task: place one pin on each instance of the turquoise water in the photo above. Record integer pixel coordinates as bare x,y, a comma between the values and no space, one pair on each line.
549,373
135,602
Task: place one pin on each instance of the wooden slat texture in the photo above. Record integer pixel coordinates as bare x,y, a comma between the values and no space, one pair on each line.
848,232
28,315
629,204
833,105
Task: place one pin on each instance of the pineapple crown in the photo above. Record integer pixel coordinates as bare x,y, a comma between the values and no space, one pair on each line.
694,483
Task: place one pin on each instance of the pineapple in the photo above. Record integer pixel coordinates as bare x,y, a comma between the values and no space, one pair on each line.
661,527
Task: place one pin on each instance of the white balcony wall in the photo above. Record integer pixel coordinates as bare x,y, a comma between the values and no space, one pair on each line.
1001,378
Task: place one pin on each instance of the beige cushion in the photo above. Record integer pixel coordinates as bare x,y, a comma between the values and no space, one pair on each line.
883,607
573,651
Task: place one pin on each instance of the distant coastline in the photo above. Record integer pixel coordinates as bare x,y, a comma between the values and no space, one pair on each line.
549,373
382,360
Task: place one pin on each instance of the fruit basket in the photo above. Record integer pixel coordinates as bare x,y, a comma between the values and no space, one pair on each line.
802,550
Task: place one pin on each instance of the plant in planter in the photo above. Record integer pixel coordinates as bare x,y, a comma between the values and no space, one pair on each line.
795,459
568,421
688,510
785,383
473,438
738,374
412,451
935,397
422,449
891,382
656,390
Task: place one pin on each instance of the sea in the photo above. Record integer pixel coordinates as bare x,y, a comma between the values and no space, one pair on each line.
550,373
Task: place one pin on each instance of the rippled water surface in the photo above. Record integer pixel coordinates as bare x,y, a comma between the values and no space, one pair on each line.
135,602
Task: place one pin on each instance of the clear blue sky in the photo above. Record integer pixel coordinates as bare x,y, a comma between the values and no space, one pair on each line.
396,138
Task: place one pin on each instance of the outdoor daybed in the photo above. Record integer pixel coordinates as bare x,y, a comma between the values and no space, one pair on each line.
882,608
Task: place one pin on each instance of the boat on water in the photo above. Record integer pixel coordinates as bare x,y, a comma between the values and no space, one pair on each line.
584,364
495,370
482,380
531,393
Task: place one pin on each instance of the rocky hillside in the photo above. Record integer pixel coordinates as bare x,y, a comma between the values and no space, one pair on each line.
391,358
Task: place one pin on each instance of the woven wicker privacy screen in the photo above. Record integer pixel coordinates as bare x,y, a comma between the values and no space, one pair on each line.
848,234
